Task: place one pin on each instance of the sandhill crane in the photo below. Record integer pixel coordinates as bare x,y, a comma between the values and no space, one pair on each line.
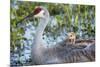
60,53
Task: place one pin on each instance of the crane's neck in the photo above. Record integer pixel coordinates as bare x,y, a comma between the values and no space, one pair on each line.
40,29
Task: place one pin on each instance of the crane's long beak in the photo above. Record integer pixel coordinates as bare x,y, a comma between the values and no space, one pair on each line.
27,17
30,15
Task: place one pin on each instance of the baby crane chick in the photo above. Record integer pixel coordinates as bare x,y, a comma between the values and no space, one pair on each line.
71,37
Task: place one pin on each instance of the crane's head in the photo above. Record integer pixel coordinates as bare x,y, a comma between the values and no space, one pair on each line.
39,12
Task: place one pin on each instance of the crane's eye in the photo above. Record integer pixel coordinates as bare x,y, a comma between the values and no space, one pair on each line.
43,13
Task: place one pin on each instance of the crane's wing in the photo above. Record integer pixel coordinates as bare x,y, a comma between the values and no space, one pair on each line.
81,51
